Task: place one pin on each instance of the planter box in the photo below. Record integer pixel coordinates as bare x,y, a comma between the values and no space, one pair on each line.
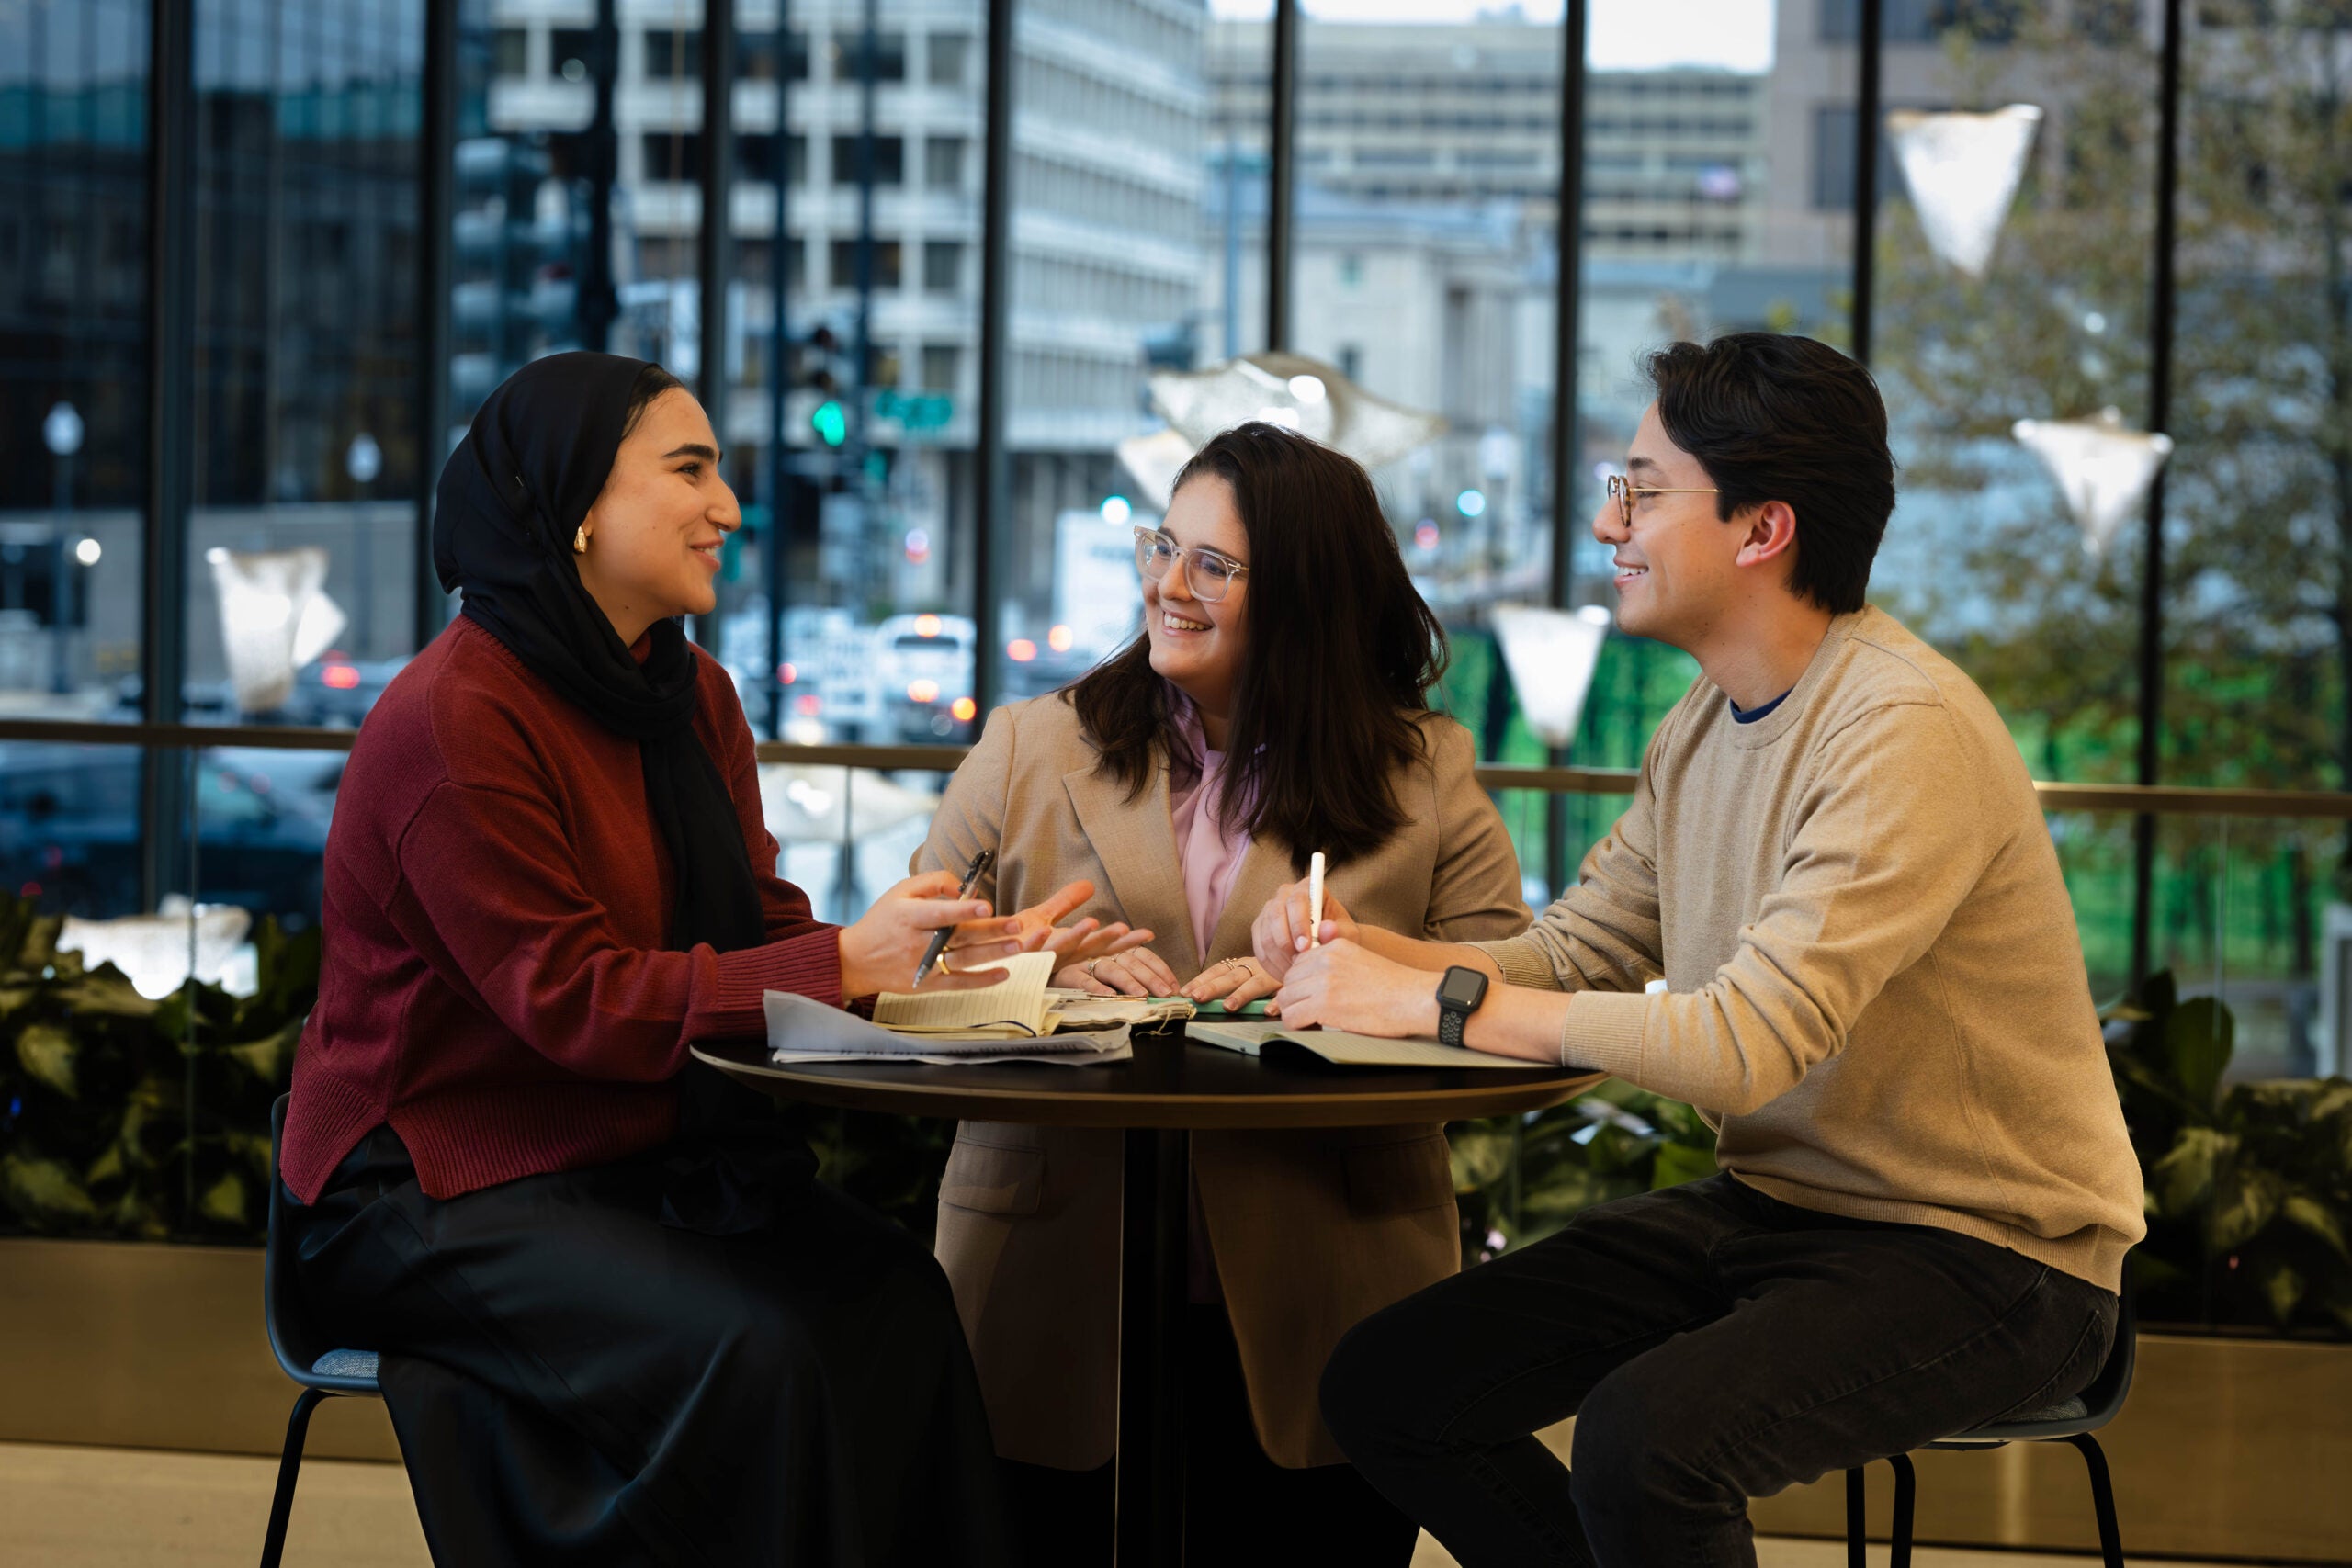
2227,1447
136,1345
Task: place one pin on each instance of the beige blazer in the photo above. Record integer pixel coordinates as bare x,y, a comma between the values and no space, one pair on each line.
1311,1231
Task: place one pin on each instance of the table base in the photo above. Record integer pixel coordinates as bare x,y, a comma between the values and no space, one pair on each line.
1154,1219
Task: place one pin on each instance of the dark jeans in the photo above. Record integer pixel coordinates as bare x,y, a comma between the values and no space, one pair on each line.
1715,1344
1241,1508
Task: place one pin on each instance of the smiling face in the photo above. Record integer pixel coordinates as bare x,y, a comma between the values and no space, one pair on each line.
654,533
1196,644
1676,566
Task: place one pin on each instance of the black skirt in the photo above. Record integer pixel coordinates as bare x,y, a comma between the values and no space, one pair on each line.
696,1356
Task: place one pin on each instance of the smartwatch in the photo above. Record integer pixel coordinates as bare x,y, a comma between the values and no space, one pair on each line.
1458,996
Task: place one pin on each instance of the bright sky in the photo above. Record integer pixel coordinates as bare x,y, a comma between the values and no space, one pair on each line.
1627,35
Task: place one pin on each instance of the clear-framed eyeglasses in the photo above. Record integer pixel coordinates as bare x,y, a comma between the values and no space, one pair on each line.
1210,574
1622,491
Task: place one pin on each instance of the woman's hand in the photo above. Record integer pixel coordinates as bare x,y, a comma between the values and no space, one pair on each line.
1279,933
1082,941
1236,982
880,951
1341,986
1137,972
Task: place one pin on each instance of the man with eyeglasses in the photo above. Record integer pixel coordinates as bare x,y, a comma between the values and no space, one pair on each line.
1832,920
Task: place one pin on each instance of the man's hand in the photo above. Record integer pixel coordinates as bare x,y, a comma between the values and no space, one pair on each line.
1279,933
1341,986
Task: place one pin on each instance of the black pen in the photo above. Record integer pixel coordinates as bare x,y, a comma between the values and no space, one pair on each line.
979,869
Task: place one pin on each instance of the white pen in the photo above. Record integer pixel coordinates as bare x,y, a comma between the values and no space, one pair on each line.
1314,900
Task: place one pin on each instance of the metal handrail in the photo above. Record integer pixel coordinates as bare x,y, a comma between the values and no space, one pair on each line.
2161,800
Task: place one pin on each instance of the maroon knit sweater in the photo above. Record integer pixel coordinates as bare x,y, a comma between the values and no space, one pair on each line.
497,895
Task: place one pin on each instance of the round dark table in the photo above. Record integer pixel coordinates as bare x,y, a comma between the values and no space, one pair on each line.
1170,1087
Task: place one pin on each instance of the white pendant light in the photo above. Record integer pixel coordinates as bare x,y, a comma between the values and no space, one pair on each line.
1964,171
2103,468
1155,460
1552,655
1307,395
274,618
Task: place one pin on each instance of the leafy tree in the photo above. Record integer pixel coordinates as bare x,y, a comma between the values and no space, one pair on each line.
2258,537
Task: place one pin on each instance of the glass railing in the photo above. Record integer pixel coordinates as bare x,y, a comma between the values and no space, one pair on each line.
144,1045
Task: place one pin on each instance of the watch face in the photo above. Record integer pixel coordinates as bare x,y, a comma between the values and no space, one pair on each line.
1461,987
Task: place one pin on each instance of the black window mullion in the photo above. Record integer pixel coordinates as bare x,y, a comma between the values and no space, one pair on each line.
716,251
992,468
436,155
1281,158
164,828
1866,114
2152,574
1568,309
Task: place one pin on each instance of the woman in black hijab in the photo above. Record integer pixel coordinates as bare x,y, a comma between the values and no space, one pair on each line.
620,1321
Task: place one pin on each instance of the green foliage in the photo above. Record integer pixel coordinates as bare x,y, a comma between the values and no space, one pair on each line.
125,1117
1520,1178
2249,1187
890,1163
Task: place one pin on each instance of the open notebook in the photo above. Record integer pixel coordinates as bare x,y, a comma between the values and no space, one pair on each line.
1338,1047
1017,1008
801,1029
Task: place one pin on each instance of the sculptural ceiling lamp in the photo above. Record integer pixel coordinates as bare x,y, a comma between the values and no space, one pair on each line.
274,618
1964,171
2103,468
1307,395
1552,655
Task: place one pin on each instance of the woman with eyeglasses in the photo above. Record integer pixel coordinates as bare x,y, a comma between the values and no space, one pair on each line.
1275,704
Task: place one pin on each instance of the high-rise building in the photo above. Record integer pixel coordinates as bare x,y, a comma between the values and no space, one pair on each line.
882,222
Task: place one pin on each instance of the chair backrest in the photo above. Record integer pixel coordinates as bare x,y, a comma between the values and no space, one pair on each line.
291,1339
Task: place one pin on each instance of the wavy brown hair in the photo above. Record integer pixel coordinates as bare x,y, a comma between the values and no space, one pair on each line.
1336,668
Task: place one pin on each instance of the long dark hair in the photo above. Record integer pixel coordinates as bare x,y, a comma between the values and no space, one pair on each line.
1336,668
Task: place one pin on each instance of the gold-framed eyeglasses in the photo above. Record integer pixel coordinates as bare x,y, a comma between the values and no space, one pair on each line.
1623,489
1210,574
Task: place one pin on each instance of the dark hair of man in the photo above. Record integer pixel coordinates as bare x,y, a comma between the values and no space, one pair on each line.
651,383
1773,417
1337,664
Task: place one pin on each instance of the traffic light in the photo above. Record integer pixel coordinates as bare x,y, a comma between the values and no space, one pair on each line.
819,369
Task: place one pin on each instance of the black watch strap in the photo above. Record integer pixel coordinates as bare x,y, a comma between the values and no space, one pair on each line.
1459,995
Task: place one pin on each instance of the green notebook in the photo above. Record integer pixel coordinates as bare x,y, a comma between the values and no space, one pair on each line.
1343,1049
1219,1009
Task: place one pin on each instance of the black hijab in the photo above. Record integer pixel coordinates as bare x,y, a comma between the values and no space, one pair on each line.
512,495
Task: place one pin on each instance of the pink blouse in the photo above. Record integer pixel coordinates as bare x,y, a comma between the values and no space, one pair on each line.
1209,847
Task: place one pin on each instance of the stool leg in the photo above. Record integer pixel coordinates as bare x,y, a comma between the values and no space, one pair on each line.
1906,1485
281,1506
2110,1538
1857,1549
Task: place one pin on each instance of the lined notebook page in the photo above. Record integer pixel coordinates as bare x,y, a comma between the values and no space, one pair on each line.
1016,1004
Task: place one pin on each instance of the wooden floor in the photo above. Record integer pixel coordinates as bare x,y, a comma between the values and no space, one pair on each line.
81,1507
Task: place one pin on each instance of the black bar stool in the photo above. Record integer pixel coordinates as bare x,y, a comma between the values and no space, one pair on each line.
2069,1421
322,1369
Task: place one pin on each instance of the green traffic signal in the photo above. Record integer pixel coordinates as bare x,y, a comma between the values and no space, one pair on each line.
831,425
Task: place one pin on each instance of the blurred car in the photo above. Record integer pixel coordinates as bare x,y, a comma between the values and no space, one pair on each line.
70,827
923,673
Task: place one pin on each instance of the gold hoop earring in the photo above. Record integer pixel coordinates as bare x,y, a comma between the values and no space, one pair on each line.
580,540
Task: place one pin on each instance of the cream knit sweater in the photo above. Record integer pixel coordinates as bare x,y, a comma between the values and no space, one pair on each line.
1875,978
